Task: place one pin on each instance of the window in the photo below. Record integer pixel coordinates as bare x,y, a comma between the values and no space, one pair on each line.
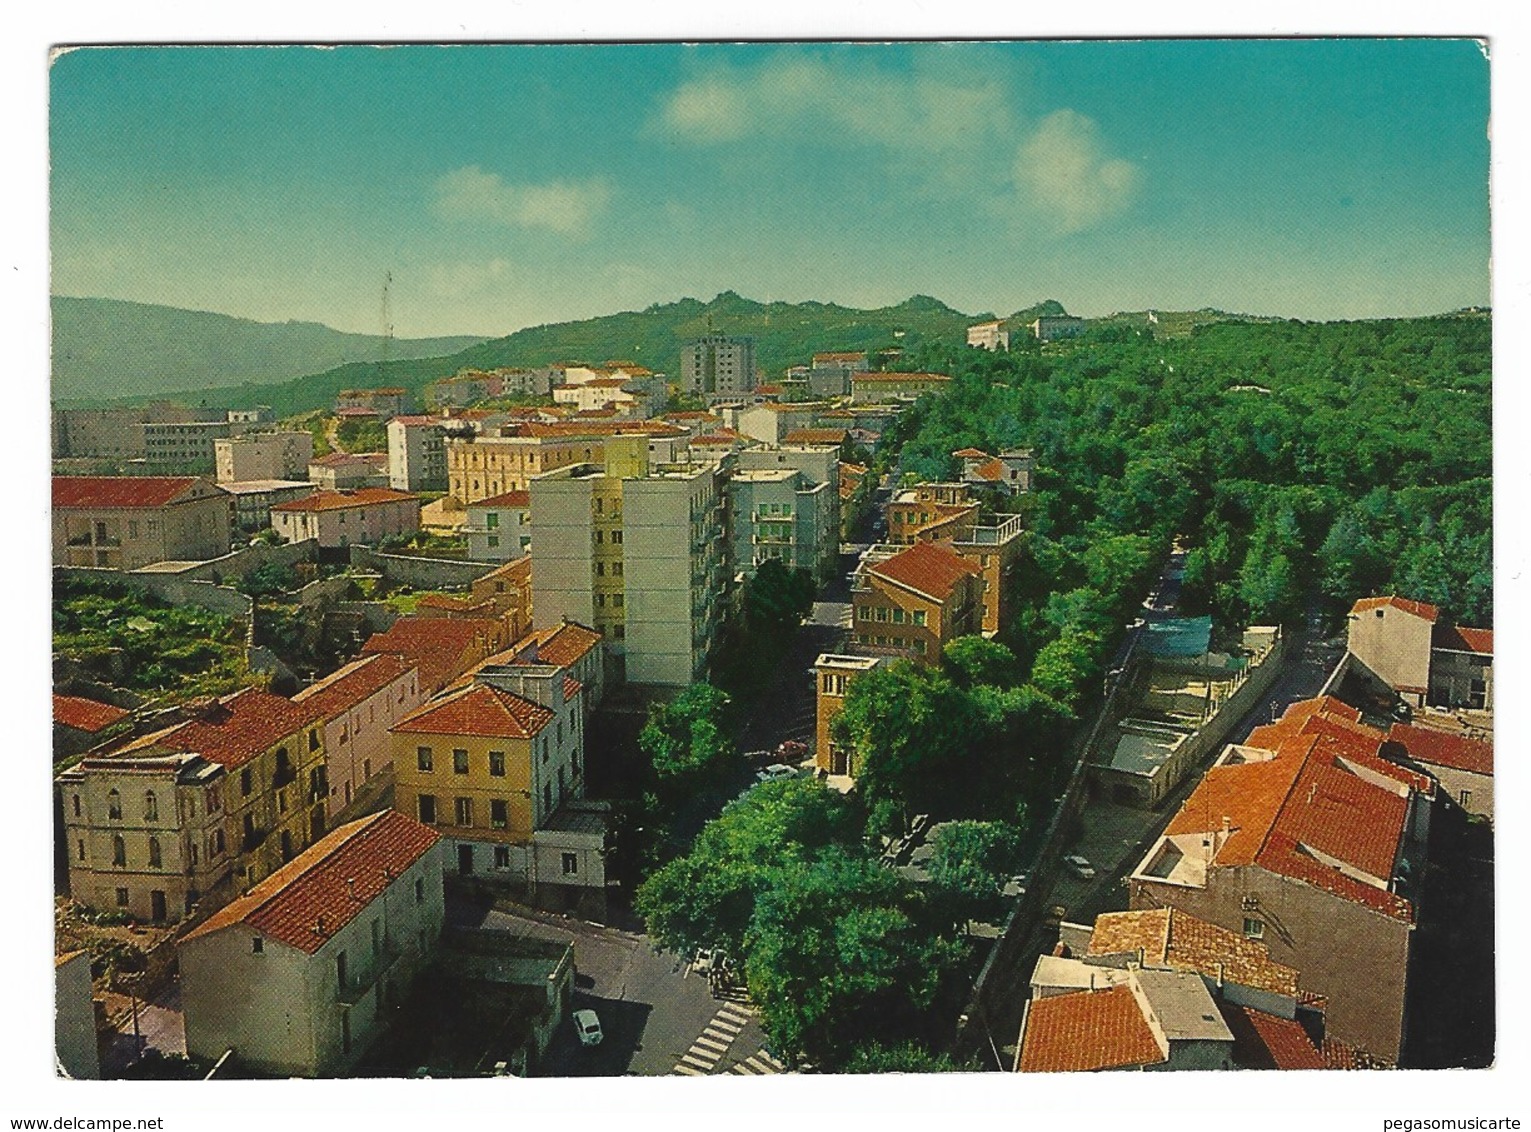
313,738
341,971
919,617
151,807
82,848
547,797
497,764
616,537
76,799
882,614
502,856
499,813
427,809
1466,797
218,843
114,805
244,782
464,811
119,851
122,898
494,541
1253,929
919,645
898,617
154,853
423,758
570,864
419,890
492,520
459,761
257,946
864,613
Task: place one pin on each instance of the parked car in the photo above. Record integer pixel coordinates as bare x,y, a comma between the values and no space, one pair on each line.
794,749
588,1027
709,959
776,772
1080,866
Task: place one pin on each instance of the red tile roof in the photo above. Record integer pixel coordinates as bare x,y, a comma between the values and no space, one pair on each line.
889,377
1265,1041
1168,937
1408,605
345,500
343,689
1088,1030
567,644
85,715
926,568
508,499
991,470
1443,748
718,437
970,454
480,710
234,731
120,491
325,887
815,436
416,420
1461,638
571,687
1307,801
440,646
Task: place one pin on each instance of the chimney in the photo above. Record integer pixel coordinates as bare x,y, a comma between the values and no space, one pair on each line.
351,887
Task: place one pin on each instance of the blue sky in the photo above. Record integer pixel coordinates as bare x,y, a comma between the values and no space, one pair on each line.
506,186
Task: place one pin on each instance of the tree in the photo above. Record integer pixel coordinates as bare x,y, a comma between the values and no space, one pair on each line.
776,599
974,660
835,953
686,738
909,1057
972,862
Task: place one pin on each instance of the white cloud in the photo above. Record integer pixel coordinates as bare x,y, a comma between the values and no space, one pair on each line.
1064,172
460,280
935,107
565,207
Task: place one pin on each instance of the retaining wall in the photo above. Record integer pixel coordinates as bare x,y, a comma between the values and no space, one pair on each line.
422,573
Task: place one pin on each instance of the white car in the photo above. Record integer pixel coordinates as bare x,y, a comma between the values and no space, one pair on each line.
588,1027
775,772
1080,865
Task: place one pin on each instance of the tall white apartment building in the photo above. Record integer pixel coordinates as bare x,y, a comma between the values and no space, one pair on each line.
417,454
717,365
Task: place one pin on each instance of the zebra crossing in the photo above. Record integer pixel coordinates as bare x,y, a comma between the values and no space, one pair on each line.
713,1042
759,1063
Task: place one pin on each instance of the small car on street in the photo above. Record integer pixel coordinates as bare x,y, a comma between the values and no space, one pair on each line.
776,772
1080,866
588,1026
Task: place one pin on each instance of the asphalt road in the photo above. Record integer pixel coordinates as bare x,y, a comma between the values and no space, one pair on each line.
653,1008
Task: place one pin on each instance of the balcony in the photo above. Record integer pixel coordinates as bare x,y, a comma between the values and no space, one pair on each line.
359,984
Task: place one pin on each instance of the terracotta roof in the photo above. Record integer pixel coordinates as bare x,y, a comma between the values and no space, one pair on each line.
345,500
1265,1041
416,420
1418,608
992,470
480,710
1169,937
926,568
970,454
508,499
1461,638
120,491
237,729
348,686
1441,748
1088,1030
85,715
564,430
517,570
325,887
1315,799
567,644
719,437
571,687
451,603
815,436
436,644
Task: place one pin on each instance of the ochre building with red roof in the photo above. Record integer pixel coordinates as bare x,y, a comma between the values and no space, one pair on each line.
913,603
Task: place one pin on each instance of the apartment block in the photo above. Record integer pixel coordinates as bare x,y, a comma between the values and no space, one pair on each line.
1050,328
355,706
340,471
417,454
1009,471
777,514
297,977
187,447
124,522
914,602
717,365
996,548
989,336
498,767
263,456
878,388
112,434
386,403
253,500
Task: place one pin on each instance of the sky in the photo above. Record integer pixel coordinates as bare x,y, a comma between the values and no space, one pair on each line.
506,186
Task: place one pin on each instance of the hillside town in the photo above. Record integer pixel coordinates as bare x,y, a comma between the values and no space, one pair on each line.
434,732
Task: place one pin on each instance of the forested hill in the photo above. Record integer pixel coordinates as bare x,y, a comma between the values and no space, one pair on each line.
785,334
106,349
1306,463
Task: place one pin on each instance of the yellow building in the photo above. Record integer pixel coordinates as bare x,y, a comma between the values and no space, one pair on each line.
915,602
498,768
492,465
833,676
261,768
